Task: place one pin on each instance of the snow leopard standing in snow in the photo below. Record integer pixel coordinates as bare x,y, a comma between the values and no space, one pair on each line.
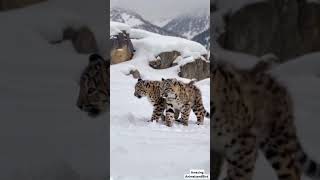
183,97
251,110
151,89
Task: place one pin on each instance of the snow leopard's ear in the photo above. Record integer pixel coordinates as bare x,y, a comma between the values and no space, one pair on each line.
162,79
139,79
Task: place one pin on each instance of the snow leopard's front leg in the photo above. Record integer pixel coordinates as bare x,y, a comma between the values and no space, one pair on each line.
241,155
169,114
185,113
157,111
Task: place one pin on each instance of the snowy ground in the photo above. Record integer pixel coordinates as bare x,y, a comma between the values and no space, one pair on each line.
43,135
144,150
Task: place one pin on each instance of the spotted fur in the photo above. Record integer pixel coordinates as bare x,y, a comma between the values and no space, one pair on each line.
183,97
251,110
151,89
94,86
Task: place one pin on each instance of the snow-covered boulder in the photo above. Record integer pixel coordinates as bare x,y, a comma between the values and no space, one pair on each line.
258,28
165,60
121,48
191,68
135,74
83,39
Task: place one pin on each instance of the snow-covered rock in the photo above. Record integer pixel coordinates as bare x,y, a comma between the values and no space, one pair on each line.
191,68
121,48
165,60
255,27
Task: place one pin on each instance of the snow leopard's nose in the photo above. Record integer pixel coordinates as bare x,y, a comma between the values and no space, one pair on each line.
137,95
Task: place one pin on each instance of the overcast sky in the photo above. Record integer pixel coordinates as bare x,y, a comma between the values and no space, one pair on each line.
161,9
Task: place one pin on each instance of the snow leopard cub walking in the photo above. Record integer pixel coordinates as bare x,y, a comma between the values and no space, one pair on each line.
151,89
251,111
183,97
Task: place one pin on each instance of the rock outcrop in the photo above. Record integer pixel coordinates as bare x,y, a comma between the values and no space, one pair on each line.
83,39
285,28
121,48
135,74
198,69
165,60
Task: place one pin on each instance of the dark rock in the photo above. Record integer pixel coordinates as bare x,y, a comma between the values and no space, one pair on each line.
121,48
198,69
285,28
84,41
165,60
135,74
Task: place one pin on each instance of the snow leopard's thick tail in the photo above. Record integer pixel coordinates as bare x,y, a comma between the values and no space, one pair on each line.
309,167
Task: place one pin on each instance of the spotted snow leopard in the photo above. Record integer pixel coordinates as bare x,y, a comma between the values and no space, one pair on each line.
183,97
94,86
252,111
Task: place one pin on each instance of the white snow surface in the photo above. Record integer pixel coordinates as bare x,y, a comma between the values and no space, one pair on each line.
42,132
156,44
144,150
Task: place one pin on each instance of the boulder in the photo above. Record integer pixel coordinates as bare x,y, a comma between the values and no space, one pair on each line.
165,60
259,28
198,69
83,39
121,48
14,4
135,74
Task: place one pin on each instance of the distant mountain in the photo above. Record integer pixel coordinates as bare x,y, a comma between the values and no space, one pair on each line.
135,20
189,25
161,22
203,38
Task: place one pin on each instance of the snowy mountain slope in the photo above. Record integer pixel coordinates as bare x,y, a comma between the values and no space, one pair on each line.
135,20
144,150
189,25
162,22
302,77
203,38
43,135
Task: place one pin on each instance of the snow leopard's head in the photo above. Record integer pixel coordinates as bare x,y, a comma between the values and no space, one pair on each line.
94,86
